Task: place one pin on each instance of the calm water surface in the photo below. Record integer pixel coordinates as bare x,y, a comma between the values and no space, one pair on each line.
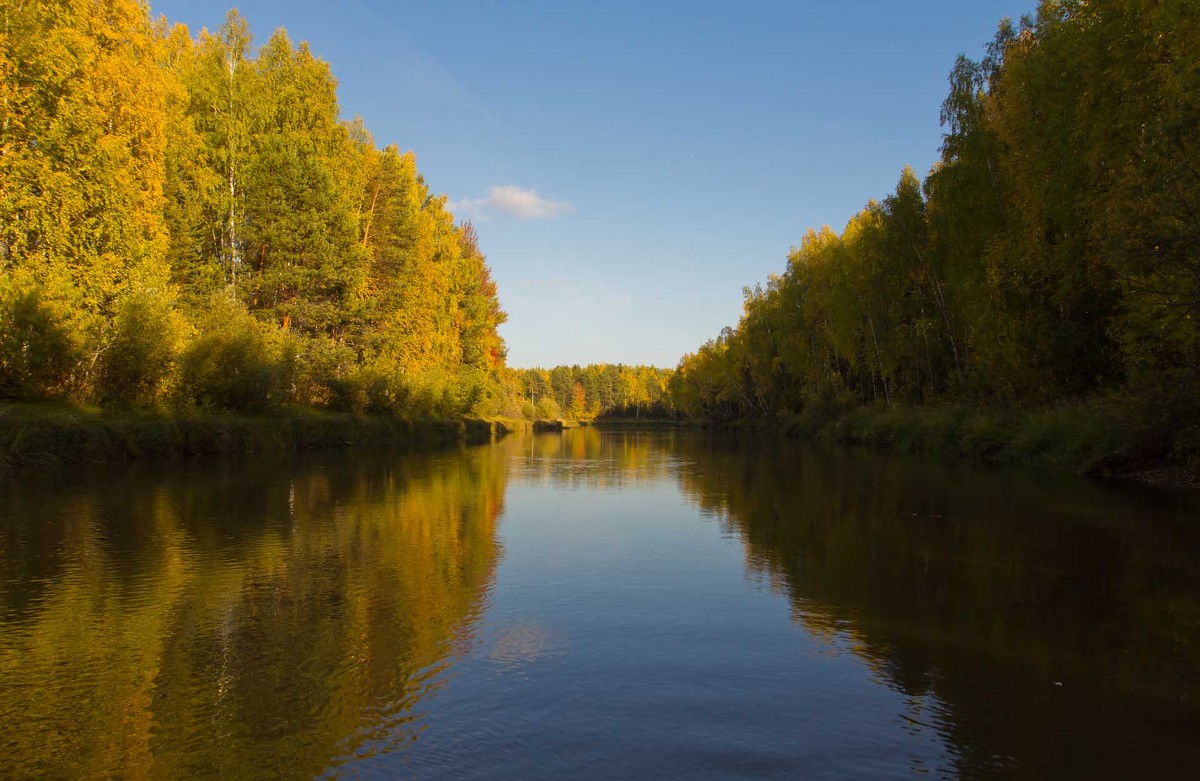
595,605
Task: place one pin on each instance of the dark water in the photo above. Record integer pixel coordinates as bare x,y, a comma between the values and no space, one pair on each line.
596,605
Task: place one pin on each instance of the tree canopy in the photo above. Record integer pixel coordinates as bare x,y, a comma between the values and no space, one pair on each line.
186,220
1050,253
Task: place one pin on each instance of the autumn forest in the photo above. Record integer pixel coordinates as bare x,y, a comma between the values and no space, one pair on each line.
187,223
1051,254
277,500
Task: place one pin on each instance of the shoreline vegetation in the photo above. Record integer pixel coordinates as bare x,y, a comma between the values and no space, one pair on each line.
1102,440
1105,440
43,435
188,227
203,256
1108,440
1035,297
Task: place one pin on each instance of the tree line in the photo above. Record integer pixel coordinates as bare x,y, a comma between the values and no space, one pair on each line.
186,222
593,391
1050,254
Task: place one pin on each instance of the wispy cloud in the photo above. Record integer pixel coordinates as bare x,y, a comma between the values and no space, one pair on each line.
510,201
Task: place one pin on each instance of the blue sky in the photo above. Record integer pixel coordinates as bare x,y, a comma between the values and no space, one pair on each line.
630,166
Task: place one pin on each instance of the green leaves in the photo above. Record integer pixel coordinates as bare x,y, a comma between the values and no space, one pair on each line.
140,167
1052,253
37,349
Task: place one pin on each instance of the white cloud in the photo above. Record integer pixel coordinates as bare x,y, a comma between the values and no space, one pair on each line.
509,201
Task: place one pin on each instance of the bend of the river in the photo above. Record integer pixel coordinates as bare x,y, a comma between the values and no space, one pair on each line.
595,605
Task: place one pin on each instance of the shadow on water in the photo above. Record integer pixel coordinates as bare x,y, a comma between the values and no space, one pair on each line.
254,617
1056,622
291,616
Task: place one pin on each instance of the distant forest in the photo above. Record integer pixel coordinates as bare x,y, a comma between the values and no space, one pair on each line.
594,391
1051,254
186,223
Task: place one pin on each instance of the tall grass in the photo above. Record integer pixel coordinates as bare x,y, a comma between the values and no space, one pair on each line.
32,434
1072,436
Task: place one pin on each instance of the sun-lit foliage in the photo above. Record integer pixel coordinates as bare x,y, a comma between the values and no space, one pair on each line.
1051,252
176,208
597,390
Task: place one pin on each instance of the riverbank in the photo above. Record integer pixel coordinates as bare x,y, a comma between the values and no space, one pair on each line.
1107,440
33,435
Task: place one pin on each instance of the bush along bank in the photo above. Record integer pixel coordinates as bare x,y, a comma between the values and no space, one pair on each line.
1040,277
1104,440
32,435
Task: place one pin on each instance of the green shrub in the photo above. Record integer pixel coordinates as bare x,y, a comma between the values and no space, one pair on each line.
236,363
479,394
985,434
134,368
37,352
371,388
547,409
437,393
323,374
423,395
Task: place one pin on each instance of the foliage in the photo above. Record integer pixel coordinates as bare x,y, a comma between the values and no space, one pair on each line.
137,159
322,373
139,359
596,390
37,352
236,363
1049,255
547,409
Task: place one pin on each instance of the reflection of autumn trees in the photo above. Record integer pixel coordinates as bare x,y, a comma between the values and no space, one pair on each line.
261,615
279,615
597,458
983,589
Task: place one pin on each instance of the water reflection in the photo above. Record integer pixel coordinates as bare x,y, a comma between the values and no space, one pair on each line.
324,615
246,619
598,460
1056,623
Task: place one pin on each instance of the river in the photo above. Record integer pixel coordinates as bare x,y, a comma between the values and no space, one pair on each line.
595,605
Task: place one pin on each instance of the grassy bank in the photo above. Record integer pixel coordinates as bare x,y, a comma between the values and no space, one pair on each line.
38,434
1100,438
